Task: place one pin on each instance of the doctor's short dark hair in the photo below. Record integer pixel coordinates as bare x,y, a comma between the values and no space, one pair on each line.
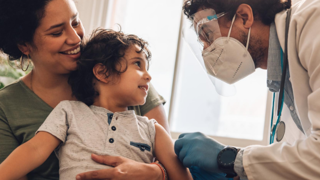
19,20
265,10
106,47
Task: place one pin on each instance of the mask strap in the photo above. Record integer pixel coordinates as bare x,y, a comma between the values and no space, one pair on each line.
249,33
234,17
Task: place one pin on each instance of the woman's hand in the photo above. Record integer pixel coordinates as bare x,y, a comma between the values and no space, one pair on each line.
123,169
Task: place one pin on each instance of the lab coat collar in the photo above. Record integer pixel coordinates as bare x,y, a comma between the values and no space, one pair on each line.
274,61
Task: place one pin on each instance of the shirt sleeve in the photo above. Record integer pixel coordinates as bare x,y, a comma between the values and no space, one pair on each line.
238,165
8,141
57,121
153,100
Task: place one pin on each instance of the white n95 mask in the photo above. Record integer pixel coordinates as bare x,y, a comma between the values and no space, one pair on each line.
228,60
225,58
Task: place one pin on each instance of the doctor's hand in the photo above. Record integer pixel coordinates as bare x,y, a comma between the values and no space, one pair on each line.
123,169
200,174
195,149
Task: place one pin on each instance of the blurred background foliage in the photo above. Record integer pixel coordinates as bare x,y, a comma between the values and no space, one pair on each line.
9,71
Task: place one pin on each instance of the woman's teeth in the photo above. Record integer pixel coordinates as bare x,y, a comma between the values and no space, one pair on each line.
76,51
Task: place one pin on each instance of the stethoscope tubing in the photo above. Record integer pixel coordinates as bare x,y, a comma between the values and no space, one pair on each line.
274,127
284,66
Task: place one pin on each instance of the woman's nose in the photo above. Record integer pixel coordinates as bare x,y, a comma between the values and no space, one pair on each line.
75,36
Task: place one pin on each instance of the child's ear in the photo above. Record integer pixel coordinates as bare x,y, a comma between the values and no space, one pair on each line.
99,71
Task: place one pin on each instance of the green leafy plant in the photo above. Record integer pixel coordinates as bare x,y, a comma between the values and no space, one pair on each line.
9,71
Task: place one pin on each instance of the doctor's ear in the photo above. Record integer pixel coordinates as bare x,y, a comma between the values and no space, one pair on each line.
101,73
245,12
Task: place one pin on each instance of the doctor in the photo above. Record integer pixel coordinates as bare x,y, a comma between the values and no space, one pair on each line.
239,36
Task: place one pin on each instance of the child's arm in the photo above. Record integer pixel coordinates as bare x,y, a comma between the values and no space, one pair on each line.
28,156
164,151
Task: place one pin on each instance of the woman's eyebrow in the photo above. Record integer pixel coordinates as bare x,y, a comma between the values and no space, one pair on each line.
61,24
74,16
55,26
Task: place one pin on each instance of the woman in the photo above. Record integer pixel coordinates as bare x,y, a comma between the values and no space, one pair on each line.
49,32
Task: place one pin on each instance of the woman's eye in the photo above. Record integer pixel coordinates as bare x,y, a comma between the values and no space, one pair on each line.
56,34
76,23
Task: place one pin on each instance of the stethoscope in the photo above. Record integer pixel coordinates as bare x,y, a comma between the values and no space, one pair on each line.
284,66
280,105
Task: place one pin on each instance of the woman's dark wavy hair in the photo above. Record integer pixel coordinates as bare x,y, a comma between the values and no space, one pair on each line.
265,10
106,47
18,21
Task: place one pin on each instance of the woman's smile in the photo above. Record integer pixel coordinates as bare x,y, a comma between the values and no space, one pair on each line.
73,53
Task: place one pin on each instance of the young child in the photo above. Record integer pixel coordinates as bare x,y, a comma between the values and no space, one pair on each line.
112,75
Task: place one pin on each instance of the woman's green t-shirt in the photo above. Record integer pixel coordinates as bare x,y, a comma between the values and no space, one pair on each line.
21,114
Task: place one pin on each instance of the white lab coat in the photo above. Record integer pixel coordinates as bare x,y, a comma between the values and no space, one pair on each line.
300,158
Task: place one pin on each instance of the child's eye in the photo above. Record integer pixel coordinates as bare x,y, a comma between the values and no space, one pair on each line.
138,63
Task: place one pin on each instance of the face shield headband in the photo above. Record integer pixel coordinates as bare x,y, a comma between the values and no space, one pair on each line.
206,26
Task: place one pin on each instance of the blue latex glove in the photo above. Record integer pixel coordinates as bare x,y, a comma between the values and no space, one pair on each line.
200,174
195,149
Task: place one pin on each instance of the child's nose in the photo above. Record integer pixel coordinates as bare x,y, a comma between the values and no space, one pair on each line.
147,76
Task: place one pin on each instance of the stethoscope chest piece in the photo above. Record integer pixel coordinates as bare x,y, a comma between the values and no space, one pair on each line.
280,131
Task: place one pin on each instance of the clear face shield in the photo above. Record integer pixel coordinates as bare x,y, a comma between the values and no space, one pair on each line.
225,59
206,26
199,35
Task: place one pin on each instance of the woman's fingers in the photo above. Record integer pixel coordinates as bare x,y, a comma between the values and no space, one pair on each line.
124,168
108,160
104,174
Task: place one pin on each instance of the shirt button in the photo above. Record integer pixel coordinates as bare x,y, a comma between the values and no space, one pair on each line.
113,128
142,148
116,118
111,116
291,108
111,140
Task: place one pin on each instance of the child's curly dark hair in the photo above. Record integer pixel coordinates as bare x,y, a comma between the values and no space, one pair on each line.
106,47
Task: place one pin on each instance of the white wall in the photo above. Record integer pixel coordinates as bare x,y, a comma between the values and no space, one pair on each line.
93,13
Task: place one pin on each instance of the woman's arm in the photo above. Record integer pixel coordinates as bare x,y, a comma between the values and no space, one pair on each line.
124,169
164,152
28,156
